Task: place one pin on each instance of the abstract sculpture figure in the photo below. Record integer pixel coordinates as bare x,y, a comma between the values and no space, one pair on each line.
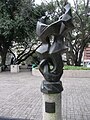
51,65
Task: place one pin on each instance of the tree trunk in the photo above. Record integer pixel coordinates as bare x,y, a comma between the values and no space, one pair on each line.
67,57
3,60
76,58
80,56
79,60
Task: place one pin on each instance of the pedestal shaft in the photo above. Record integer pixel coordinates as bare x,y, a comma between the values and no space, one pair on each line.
52,106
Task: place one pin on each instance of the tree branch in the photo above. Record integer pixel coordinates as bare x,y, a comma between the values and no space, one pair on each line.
12,53
27,55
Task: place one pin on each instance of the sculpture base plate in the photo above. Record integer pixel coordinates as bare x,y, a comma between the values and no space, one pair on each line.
51,87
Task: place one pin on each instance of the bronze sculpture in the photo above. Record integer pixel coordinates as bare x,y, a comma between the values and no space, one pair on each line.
51,65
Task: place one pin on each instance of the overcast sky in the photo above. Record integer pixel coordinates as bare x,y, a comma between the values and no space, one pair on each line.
39,1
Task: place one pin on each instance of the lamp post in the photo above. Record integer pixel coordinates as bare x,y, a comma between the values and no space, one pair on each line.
51,65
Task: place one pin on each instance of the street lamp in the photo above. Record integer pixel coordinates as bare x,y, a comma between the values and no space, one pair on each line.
51,65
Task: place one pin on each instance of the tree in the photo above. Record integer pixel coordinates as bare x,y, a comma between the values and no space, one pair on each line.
30,16
17,24
79,38
18,20
10,24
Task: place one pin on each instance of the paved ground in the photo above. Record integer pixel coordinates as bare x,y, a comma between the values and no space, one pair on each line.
21,99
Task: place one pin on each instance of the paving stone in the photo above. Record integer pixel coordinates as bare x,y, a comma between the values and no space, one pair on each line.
21,99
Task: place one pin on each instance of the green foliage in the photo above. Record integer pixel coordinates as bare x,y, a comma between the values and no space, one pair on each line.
75,68
18,20
79,38
10,21
5,26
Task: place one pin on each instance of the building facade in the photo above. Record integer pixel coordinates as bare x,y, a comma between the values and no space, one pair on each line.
86,56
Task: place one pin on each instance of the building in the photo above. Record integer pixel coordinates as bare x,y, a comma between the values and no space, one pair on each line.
86,56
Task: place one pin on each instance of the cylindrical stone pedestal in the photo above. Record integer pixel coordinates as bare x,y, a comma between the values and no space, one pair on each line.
51,100
52,107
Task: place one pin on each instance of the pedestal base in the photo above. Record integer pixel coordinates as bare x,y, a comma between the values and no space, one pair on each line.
51,100
52,107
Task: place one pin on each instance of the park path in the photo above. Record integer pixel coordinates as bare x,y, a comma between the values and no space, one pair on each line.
20,97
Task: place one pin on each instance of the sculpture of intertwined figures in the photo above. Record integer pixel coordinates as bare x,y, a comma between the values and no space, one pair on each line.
51,65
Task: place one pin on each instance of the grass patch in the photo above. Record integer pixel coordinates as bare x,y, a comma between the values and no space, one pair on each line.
75,68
